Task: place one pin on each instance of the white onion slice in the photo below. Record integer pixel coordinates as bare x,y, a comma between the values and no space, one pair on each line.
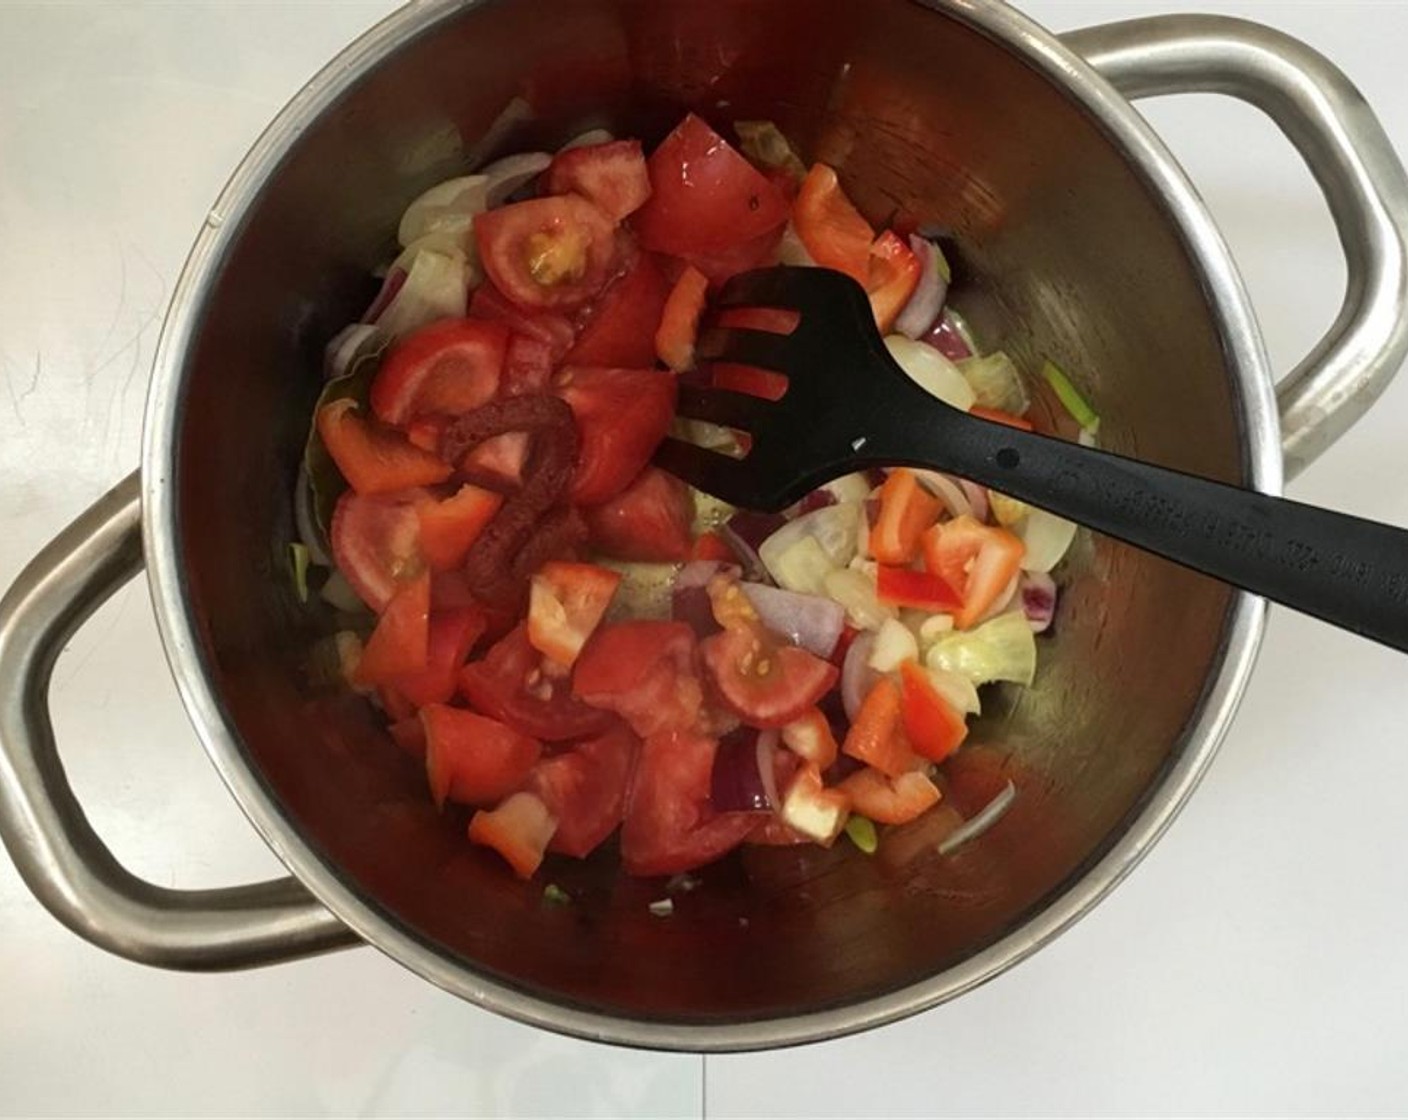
948,491
931,371
436,287
346,346
504,176
1047,538
922,310
958,691
767,744
857,677
454,199
835,528
305,522
981,821
589,139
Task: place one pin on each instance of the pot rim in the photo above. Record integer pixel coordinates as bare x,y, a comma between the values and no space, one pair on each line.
1259,429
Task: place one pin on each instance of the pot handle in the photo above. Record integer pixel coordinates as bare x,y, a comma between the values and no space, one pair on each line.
60,857
1327,119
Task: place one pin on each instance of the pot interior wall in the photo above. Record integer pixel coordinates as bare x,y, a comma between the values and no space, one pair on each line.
1062,252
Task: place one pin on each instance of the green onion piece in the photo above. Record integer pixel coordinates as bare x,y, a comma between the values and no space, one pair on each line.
1070,398
299,553
861,831
554,895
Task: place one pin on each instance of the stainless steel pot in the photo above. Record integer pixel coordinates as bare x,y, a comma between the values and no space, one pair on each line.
1080,239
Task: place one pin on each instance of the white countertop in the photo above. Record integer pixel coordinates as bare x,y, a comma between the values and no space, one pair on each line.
1256,962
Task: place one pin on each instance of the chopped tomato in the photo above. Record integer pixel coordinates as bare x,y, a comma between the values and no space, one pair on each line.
519,830
553,329
450,527
759,252
612,175
499,462
376,543
409,735
809,736
888,800
471,759
933,727
426,432
816,812
705,197
373,458
711,546
876,736
894,274
674,339
765,383
396,706
832,229
906,510
642,670
997,416
585,789
547,252
766,683
622,415
401,641
509,684
620,330
670,824
648,521
452,635
566,602
528,366
904,587
446,368
979,559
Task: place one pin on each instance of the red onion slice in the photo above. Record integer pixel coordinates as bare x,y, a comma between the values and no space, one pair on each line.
1038,594
948,490
857,677
924,305
948,340
810,621
981,821
738,784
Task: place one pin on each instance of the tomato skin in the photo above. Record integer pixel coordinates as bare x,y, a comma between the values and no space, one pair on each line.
979,560
933,728
401,641
471,759
444,368
553,329
509,684
519,829
705,197
679,323
452,635
894,274
670,824
555,252
649,521
566,602
611,175
759,252
643,671
376,543
373,458
449,528
832,229
890,800
585,789
528,366
765,683
620,329
622,415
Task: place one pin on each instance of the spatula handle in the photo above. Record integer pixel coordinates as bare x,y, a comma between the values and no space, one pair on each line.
1346,570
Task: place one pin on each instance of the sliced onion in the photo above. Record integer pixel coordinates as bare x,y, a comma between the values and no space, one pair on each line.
857,677
437,287
835,528
589,139
960,693
765,749
505,176
338,594
809,621
977,498
1038,591
305,522
931,371
698,573
981,821
855,591
1047,538
1007,600
948,339
391,285
737,784
455,200
346,346
948,490
924,305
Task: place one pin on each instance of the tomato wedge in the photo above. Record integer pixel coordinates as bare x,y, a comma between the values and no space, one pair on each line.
528,366
552,328
876,737
642,670
376,543
548,252
409,735
471,759
452,635
373,458
510,685
679,325
649,521
888,800
445,368
566,602
759,252
670,824
906,510
450,527
832,229
519,830
934,729
620,329
904,587
585,789
401,641
981,560
612,175
767,684
894,274
705,197
622,415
